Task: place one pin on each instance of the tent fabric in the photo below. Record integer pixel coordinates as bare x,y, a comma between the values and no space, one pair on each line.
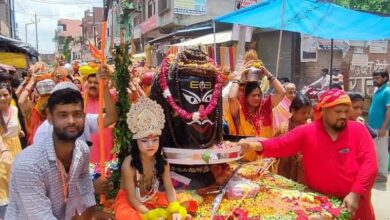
208,39
16,45
315,18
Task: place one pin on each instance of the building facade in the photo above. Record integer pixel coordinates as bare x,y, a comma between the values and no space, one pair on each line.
68,39
7,19
91,25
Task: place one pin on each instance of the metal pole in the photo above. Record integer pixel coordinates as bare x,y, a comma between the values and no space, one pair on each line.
215,43
25,31
94,27
36,31
331,63
26,25
13,20
280,41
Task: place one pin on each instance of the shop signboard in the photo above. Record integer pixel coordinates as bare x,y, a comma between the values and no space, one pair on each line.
308,48
149,24
246,3
190,7
378,46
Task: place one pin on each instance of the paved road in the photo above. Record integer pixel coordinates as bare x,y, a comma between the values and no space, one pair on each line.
381,200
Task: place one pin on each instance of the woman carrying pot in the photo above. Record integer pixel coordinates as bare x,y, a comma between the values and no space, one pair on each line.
250,111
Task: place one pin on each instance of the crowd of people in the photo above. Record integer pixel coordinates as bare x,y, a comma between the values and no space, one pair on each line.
52,116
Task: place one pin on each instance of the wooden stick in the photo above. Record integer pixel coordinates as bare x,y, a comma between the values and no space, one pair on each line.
100,117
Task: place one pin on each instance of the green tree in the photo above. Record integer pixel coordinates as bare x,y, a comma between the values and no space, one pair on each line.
66,49
382,6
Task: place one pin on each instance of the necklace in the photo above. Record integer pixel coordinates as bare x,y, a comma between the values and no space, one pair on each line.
9,115
150,190
7,119
256,118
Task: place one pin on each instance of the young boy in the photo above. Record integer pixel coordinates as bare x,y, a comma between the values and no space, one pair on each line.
356,110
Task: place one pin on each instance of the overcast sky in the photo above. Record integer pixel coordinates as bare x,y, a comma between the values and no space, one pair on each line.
48,13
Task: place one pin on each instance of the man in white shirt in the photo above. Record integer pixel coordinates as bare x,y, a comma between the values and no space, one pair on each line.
50,179
323,82
90,126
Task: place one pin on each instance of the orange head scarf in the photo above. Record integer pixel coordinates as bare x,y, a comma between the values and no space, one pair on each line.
330,99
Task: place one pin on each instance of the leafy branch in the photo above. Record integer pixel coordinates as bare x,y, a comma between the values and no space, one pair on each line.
122,134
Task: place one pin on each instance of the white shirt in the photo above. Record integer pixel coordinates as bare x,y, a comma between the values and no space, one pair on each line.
90,126
322,83
36,187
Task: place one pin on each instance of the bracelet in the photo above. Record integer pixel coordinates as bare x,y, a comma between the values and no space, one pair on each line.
237,81
271,78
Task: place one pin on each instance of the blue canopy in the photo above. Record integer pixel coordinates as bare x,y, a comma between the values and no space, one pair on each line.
315,18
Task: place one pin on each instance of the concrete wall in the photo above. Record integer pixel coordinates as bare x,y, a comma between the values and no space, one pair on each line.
88,23
358,78
4,19
267,48
311,71
213,8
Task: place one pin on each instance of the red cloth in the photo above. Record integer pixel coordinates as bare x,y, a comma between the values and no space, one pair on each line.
92,107
335,168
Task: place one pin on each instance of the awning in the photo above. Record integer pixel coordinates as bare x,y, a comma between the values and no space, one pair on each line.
208,39
315,18
16,45
180,32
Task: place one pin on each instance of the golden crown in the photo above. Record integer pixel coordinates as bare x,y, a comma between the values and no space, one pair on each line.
145,118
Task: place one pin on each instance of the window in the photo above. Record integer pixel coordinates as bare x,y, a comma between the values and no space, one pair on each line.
151,8
137,20
163,5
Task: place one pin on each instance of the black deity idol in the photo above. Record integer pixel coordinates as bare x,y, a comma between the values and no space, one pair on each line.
191,80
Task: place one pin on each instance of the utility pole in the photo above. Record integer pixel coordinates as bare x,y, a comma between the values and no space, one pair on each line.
36,31
35,21
26,29
94,26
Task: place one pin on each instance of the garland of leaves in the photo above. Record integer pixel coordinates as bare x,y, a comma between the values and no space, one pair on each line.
122,134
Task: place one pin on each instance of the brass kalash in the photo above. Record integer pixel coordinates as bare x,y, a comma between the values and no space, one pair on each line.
189,90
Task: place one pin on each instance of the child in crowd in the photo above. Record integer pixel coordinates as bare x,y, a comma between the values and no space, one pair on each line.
141,172
300,110
356,110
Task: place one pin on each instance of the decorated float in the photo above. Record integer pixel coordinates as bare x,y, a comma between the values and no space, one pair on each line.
211,180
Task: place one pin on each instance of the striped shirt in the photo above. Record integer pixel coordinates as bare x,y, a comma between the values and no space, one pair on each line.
37,189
